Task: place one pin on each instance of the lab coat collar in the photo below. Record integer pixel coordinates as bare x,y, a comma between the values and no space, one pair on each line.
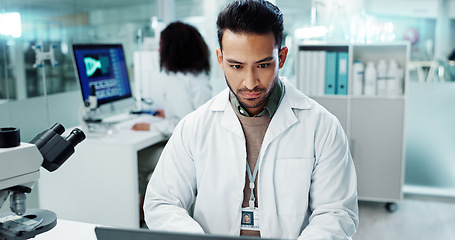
220,102
229,120
296,99
283,118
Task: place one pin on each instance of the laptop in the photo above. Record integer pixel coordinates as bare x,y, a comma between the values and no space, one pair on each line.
109,233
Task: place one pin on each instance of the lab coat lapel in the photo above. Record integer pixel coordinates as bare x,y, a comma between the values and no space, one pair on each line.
229,120
283,119
284,116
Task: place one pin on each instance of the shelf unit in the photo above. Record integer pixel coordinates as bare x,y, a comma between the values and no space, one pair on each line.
375,125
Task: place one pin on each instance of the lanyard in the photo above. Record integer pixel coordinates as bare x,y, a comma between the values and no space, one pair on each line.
252,177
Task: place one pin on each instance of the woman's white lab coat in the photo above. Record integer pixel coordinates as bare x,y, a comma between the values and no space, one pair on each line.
306,180
182,94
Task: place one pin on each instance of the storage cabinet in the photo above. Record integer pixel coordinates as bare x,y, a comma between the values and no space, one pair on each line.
374,124
376,135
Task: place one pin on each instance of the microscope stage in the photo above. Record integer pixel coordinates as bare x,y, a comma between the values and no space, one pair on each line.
32,223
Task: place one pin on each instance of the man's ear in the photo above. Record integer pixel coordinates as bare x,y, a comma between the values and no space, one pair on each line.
282,54
219,57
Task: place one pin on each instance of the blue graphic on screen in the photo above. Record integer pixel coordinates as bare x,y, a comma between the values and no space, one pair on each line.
96,65
102,66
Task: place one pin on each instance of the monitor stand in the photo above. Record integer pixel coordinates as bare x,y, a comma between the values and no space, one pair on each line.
102,120
115,112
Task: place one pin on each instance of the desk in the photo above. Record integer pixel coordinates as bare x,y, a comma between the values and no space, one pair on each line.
69,230
99,183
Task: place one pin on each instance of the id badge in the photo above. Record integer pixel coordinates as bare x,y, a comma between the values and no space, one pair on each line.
250,219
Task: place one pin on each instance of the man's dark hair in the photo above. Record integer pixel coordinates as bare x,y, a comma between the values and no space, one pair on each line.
182,49
251,16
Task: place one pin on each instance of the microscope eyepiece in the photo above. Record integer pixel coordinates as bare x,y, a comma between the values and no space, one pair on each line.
46,136
75,137
56,149
58,128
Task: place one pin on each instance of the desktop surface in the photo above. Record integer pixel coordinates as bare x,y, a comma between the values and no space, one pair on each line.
69,230
117,122
105,169
107,233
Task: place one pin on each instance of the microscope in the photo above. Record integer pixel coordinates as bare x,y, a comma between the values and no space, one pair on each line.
19,170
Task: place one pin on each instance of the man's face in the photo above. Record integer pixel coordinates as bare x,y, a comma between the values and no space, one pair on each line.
246,218
250,63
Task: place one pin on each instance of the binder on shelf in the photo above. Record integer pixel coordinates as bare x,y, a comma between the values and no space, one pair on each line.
305,72
320,72
311,73
342,74
330,73
301,78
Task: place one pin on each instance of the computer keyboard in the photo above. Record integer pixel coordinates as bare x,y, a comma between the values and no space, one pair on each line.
119,118
128,123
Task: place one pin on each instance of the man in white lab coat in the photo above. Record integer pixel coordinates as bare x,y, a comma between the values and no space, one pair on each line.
259,148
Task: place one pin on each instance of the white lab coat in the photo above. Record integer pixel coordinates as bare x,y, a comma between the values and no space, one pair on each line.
182,94
306,180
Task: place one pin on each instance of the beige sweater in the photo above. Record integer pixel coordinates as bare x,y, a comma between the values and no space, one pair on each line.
254,129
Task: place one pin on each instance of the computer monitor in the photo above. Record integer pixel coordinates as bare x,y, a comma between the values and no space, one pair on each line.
104,67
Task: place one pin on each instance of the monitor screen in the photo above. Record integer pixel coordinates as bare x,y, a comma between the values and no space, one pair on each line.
102,66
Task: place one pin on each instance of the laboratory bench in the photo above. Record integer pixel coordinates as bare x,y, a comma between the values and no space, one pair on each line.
98,184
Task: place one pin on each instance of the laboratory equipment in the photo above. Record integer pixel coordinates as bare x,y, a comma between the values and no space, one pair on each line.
148,80
91,107
41,55
19,170
382,78
370,79
393,80
103,67
358,78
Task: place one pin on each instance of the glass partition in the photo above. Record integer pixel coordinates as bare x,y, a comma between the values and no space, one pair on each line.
47,29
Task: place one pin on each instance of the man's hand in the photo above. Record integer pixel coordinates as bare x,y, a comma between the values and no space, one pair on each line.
159,113
141,127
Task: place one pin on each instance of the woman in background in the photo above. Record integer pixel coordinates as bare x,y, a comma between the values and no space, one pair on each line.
184,57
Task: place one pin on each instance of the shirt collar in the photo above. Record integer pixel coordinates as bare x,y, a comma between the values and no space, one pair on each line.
272,103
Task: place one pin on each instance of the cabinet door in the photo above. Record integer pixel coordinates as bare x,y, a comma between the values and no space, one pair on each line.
377,133
337,106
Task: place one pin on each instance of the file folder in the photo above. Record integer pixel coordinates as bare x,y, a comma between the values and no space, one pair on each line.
342,77
331,73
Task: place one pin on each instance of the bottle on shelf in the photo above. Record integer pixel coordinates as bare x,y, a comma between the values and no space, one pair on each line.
370,79
358,78
392,78
400,81
382,78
